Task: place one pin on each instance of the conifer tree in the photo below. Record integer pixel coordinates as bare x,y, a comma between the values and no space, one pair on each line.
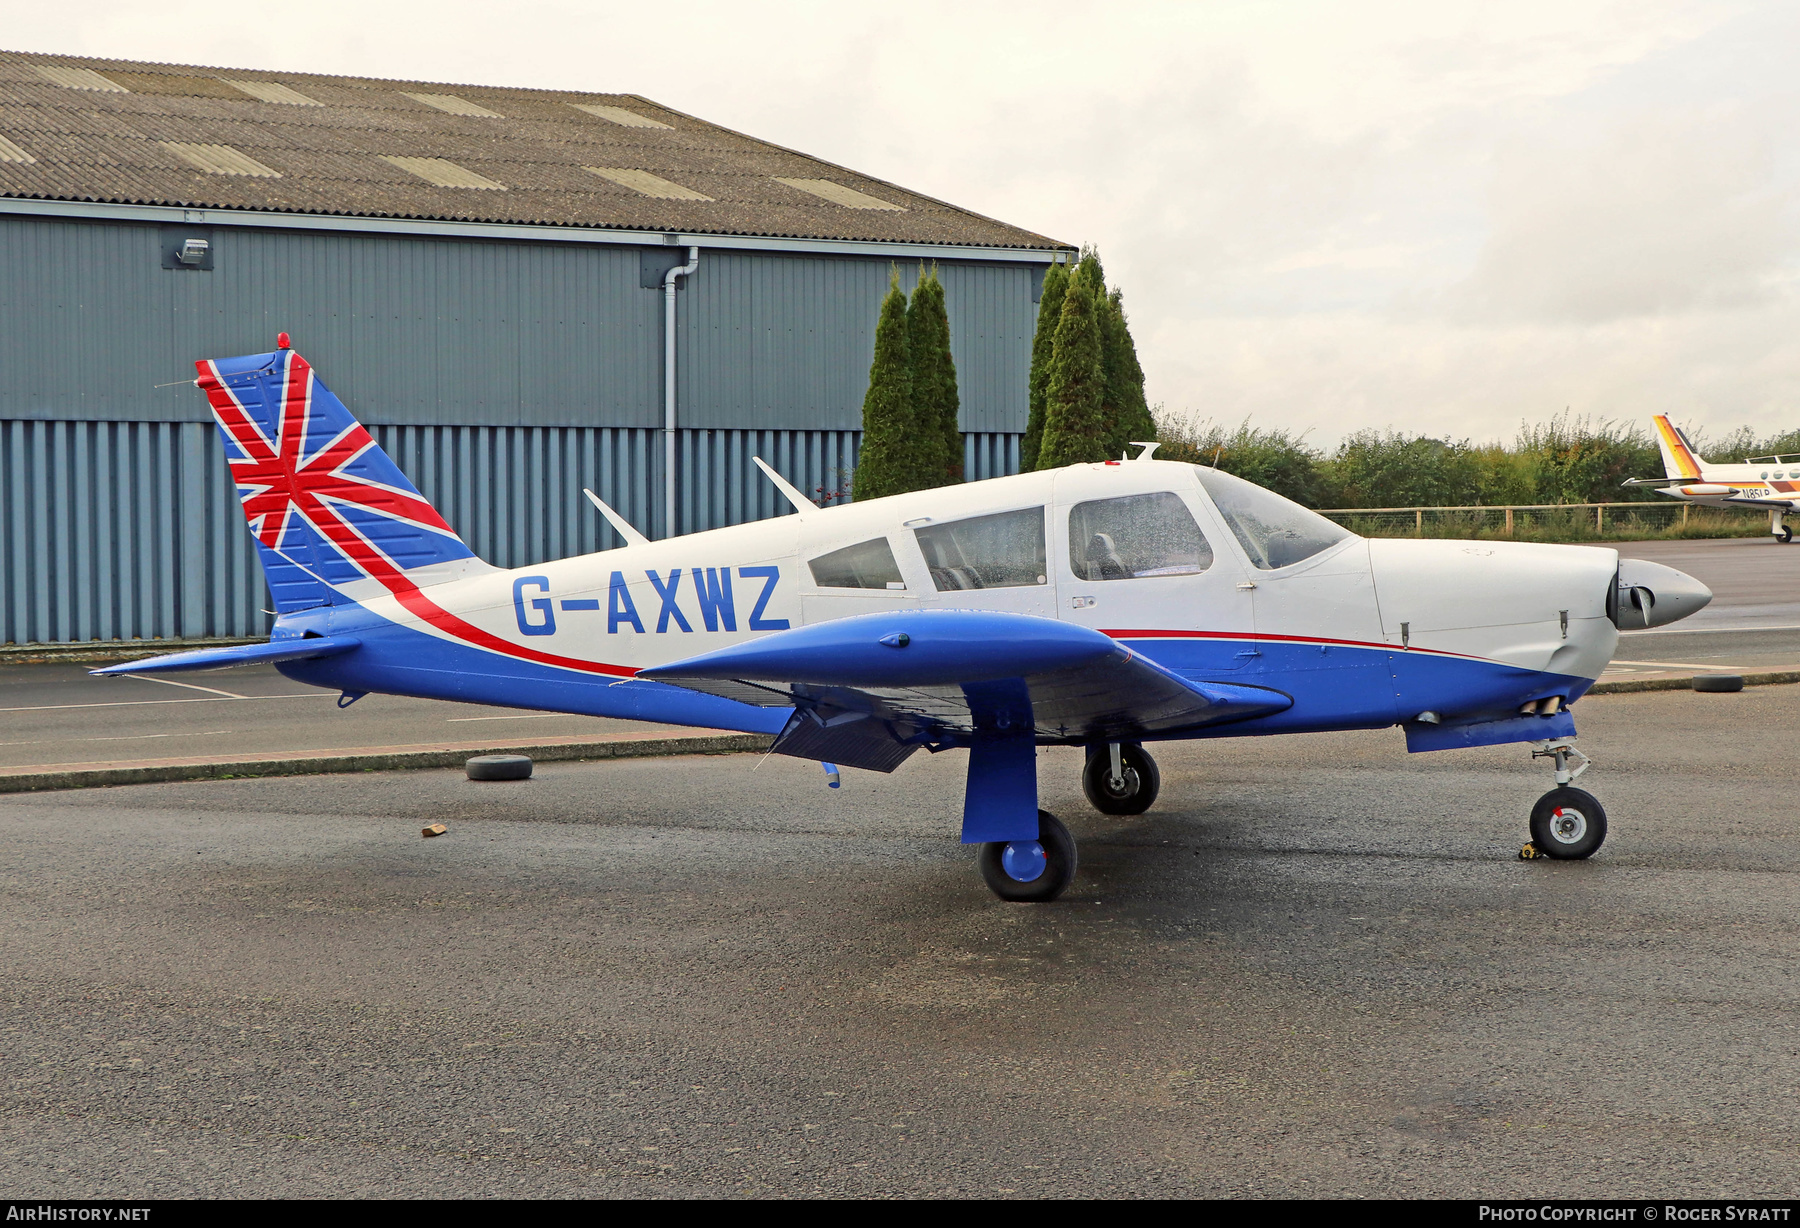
1075,428
1128,413
939,446
1043,344
884,465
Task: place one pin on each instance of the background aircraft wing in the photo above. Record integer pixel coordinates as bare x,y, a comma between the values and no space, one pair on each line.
870,690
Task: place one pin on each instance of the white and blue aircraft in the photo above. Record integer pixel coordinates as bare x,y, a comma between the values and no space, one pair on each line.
1106,606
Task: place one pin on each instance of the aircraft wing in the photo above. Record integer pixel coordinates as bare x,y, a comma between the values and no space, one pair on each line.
870,690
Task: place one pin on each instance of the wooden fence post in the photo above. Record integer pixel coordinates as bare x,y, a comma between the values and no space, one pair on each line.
1419,521
1600,518
1509,522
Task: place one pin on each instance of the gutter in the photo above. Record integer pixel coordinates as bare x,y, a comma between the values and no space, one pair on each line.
179,215
669,279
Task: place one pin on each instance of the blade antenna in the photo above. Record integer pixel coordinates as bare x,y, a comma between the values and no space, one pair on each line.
801,503
623,526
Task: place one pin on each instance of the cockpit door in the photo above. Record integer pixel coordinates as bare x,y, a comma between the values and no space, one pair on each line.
1137,556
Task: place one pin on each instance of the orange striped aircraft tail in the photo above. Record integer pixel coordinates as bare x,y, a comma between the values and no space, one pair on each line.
1679,458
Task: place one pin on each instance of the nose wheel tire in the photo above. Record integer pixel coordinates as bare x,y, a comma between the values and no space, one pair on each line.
1031,871
1134,793
1568,824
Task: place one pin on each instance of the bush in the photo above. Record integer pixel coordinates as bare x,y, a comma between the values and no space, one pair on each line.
1273,458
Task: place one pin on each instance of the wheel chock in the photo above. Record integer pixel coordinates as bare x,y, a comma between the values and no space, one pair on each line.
1529,852
436,829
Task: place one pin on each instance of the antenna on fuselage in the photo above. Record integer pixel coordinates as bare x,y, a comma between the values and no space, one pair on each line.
623,526
801,503
1149,449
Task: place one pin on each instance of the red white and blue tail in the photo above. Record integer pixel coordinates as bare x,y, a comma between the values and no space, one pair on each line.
334,519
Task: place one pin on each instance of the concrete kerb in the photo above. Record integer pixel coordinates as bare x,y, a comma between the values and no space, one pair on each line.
1631,685
625,746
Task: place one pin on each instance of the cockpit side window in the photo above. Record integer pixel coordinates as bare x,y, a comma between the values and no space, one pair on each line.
1135,536
867,564
1005,550
1274,532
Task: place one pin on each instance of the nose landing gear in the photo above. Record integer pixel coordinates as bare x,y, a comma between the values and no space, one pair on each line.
1567,823
1120,778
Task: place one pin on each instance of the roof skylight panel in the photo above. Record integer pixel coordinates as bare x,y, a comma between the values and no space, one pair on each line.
78,78
272,91
12,153
452,104
219,160
619,115
444,173
838,194
647,184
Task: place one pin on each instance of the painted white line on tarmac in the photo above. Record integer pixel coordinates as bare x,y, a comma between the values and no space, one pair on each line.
210,690
145,703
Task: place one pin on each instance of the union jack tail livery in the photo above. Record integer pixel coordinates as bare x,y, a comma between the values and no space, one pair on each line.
333,517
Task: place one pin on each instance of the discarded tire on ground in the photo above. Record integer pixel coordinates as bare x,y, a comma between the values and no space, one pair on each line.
499,767
1718,684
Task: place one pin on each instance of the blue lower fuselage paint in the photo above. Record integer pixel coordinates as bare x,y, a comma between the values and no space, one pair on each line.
1334,687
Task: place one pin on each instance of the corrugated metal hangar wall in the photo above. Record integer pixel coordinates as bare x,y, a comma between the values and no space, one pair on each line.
502,376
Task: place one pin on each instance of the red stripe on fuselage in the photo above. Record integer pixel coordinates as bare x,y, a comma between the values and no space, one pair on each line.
1157,634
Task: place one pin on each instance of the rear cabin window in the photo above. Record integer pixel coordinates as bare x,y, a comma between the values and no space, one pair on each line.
867,564
1274,532
1000,551
1136,536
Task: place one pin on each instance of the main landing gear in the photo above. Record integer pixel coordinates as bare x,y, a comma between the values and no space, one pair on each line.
1567,823
1120,778
1031,871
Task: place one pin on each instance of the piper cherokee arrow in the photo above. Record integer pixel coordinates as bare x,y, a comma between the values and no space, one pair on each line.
1108,606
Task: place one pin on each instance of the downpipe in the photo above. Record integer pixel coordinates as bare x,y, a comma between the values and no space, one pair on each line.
669,280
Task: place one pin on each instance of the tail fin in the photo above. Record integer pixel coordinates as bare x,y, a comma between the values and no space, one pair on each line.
1679,458
334,519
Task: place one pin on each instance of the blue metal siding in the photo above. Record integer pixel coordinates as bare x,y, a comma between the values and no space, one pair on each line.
422,331
786,341
131,530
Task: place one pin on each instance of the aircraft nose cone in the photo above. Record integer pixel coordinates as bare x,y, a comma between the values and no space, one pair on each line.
1651,595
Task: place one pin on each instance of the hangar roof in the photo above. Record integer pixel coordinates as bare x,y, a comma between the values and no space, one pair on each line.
79,129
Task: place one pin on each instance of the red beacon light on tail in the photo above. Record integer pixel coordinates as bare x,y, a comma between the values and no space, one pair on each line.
282,342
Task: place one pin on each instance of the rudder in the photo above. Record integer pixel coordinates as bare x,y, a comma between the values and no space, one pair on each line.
333,518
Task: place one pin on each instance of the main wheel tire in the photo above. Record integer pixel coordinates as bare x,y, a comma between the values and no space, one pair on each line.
1048,861
1568,824
1786,535
1142,781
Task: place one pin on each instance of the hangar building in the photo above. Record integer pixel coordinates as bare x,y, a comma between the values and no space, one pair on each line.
480,273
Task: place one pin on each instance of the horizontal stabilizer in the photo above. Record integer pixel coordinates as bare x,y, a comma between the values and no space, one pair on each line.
241,654
872,688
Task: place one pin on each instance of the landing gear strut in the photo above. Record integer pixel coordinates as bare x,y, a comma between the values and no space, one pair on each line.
1784,532
1120,778
1031,871
1567,823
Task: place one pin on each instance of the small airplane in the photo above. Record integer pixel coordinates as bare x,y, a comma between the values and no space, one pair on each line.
1106,606
1771,482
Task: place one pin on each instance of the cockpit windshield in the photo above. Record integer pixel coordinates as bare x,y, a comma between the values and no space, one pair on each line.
1275,532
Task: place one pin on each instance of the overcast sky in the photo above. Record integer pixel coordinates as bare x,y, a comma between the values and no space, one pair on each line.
1436,216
